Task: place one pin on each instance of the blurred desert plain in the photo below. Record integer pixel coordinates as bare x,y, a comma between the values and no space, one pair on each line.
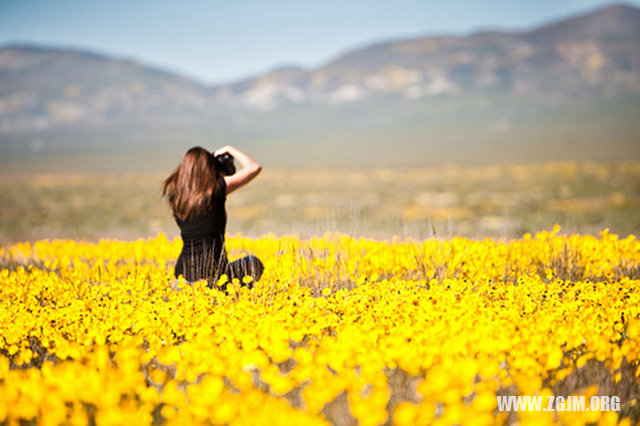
499,200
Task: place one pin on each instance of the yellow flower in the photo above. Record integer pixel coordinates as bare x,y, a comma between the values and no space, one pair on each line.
449,324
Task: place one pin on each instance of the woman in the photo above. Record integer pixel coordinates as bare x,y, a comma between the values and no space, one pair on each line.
197,192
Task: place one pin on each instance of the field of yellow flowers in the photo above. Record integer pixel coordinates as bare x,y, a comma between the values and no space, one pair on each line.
338,330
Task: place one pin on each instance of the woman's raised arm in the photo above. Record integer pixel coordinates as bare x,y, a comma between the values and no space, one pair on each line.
250,168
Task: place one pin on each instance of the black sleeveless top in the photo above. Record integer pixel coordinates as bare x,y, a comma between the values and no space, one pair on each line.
203,253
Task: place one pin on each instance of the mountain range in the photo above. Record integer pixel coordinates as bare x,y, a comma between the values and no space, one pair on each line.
564,89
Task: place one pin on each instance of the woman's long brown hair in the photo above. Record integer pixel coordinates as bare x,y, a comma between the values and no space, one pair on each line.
190,186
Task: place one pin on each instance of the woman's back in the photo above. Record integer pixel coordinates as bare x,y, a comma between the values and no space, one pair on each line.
203,239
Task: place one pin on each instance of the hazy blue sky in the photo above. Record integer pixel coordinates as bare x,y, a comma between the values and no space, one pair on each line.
221,40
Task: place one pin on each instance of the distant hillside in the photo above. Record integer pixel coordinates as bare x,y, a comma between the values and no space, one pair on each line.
586,57
42,88
571,86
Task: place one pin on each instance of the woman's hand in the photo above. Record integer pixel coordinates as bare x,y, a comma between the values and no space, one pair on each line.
250,168
223,150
